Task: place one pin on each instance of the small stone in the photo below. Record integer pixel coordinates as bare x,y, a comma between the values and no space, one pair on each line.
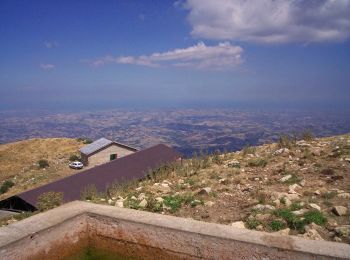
102,199
299,212
337,239
133,198
302,183
284,232
142,196
287,202
209,203
286,178
284,151
343,230
110,201
312,234
119,204
159,199
344,195
262,217
238,224
317,192
138,188
277,203
205,191
260,228
347,159
315,206
143,203
263,207
223,181
339,210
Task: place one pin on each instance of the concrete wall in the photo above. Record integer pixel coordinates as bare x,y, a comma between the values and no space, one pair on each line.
104,155
150,236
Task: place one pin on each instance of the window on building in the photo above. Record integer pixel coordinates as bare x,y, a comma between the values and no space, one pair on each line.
113,157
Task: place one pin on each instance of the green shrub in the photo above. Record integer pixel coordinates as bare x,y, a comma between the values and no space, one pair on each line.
6,186
307,135
87,141
293,221
217,158
173,202
257,162
74,157
285,141
295,206
43,163
89,192
316,217
249,150
277,225
49,200
252,223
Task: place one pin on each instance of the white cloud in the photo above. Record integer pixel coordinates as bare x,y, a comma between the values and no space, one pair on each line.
270,21
50,45
46,66
223,56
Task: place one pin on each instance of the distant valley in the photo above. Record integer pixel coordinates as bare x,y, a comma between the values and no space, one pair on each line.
189,130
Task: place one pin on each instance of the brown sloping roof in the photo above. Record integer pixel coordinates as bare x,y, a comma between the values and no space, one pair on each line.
133,166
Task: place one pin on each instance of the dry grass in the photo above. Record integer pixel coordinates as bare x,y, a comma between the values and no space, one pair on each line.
18,161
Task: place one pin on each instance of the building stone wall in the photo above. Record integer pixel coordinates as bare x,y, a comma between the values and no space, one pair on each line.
103,156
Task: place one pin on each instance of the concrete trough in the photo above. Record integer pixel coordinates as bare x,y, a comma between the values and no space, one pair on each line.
68,229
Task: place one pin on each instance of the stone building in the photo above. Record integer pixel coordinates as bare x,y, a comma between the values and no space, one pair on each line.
104,150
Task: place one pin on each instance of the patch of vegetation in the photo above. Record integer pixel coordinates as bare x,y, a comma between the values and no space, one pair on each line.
217,158
43,163
257,162
295,206
277,225
316,217
89,192
87,141
293,221
74,158
132,203
329,195
252,223
6,186
307,154
307,135
294,179
249,150
286,141
173,202
49,200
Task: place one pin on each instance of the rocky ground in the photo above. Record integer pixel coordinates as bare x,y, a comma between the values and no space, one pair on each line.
293,187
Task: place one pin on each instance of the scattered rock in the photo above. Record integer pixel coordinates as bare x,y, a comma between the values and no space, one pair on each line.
234,164
339,210
142,196
260,228
284,232
299,212
263,207
133,198
312,234
223,181
277,202
119,204
302,183
343,230
344,195
138,189
238,224
317,192
315,206
159,199
143,203
286,178
110,201
209,203
287,202
205,191
282,151
293,187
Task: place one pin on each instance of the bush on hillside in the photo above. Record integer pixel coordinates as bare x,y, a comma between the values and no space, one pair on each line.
43,163
6,186
74,158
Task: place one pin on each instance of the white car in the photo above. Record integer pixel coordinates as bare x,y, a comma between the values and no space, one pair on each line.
76,165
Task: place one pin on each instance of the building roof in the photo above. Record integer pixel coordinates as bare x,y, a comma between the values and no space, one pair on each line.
133,166
100,144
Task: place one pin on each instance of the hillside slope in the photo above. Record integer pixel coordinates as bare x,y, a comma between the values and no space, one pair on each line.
293,187
19,162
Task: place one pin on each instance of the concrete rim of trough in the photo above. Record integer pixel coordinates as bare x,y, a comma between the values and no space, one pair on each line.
43,221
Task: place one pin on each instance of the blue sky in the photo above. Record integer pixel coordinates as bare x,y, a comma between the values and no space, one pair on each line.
100,54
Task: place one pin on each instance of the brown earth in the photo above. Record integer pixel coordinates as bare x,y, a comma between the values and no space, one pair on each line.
19,162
